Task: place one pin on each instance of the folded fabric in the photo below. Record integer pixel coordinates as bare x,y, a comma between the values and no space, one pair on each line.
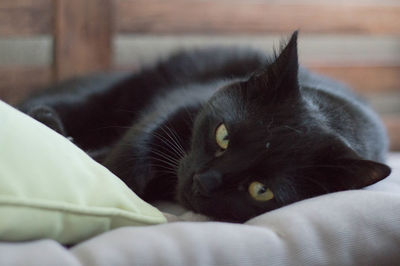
49,188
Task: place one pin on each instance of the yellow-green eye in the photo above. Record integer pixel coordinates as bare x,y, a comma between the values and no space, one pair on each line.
221,137
259,192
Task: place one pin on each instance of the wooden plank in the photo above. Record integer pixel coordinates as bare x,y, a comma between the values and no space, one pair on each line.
83,32
17,82
25,17
26,51
384,103
316,49
393,127
238,16
365,79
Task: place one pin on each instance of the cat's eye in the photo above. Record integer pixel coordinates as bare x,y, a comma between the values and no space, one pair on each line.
221,137
259,192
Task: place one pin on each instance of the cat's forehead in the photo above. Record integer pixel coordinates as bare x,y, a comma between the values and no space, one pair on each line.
229,104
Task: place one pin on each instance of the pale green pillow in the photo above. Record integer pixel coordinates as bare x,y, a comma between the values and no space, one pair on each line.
49,188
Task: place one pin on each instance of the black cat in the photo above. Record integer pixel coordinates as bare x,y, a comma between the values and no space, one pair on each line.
227,133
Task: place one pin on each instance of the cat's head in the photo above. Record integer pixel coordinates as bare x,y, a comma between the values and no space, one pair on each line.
256,147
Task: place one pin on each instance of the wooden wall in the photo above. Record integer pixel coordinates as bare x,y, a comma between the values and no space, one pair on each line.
356,41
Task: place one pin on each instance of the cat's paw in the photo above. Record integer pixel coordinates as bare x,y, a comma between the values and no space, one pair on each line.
47,116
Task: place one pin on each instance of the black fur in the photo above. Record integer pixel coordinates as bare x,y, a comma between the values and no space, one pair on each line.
300,134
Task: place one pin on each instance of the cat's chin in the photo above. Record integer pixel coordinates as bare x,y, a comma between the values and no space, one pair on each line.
186,200
185,195
194,203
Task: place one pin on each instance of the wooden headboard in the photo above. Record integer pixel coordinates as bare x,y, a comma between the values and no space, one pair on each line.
356,41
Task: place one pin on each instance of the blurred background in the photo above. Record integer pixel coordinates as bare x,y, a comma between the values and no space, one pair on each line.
356,41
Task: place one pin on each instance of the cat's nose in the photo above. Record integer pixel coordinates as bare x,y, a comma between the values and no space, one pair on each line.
206,182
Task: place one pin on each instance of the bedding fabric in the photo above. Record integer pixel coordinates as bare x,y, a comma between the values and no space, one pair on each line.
49,188
360,227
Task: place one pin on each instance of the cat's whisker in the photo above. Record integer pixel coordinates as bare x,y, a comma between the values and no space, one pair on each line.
165,161
169,165
177,138
172,170
168,160
169,144
166,142
173,139
166,157
162,147
175,144
293,129
164,168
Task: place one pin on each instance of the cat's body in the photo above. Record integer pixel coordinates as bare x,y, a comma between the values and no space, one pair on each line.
156,130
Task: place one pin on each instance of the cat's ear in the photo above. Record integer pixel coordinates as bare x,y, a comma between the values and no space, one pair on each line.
348,170
280,78
357,173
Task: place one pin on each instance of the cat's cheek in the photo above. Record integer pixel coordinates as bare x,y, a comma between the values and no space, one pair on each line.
184,195
183,169
184,178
